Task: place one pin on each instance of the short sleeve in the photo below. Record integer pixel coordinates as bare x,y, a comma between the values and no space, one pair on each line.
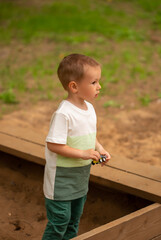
58,129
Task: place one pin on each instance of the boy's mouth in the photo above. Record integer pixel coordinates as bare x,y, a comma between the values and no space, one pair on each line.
96,94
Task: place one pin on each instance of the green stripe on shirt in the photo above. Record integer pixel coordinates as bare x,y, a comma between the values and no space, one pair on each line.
79,142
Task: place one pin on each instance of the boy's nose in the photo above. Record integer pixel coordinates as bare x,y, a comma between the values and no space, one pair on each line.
99,86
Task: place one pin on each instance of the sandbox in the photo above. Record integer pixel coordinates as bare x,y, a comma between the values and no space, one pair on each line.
124,197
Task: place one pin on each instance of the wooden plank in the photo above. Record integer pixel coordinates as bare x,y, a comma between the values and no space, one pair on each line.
25,143
131,183
143,224
23,149
31,134
118,162
139,168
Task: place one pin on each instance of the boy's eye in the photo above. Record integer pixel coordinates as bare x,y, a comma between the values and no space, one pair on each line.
94,82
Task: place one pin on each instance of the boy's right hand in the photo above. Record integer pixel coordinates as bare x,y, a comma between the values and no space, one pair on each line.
90,154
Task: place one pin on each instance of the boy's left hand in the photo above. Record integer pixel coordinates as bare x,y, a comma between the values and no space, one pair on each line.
105,153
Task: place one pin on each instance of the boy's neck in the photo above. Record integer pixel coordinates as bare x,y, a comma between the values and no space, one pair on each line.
78,102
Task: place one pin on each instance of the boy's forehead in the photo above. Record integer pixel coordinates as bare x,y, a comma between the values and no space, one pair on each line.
90,70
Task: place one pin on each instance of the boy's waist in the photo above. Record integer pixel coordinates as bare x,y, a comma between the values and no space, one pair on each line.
71,162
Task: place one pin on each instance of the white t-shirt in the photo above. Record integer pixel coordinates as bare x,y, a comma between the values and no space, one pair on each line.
64,177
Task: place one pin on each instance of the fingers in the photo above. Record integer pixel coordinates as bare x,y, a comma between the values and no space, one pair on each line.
108,157
96,156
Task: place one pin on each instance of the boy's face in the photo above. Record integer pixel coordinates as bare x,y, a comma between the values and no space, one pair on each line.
88,87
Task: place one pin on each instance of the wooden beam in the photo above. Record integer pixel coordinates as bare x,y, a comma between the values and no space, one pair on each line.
23,149
144,224
128,182
117,162
133,177
31,135
135,167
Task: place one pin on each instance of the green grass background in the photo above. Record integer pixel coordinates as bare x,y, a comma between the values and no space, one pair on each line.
124,36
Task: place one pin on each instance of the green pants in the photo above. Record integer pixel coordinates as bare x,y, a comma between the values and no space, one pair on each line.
63,218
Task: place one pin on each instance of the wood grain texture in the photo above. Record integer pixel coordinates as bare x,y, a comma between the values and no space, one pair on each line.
32,134
129,182
156,238
144,224
23,149
139,168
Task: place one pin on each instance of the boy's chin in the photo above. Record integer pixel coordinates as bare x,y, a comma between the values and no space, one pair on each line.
90,99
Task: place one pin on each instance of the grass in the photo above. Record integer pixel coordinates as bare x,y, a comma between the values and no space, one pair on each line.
13,79
57,19
111,103
145,100
61,17
116,33
8,97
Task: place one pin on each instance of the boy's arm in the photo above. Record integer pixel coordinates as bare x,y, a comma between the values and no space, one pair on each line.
67,151
101,150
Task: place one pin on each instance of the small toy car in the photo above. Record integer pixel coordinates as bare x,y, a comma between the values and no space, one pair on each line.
101,160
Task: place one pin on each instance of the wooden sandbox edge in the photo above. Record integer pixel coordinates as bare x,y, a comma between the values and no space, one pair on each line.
109,176
144,224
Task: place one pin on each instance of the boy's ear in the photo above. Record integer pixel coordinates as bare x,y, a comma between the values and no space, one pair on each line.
73,87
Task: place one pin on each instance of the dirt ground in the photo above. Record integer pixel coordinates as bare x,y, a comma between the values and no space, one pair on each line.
133,133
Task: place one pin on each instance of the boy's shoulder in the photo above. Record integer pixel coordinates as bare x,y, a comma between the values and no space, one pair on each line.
66,107
63,107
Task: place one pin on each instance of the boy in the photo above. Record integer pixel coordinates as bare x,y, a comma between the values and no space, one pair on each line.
71,145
